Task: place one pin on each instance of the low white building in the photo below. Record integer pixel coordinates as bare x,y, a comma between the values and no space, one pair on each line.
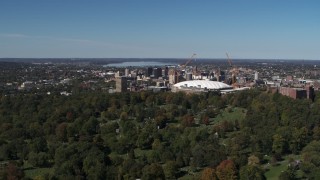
200,85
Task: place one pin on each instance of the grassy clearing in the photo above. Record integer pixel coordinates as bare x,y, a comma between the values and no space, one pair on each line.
33,172
275,171
37,172
231,114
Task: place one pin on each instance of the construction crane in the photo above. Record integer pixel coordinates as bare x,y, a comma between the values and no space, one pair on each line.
189,60
182,67
232,70
229,60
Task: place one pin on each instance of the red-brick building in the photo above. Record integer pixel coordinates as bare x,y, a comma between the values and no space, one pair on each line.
297,93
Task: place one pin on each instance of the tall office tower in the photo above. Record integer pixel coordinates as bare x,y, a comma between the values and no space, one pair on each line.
173,76
256,75
126,72
165,72
217,74
222,76
149,72
121,84
157,72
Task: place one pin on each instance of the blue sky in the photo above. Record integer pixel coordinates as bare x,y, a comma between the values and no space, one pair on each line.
255,29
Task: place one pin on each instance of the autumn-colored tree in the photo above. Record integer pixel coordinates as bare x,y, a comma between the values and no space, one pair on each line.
253,160
208,174
13,172
187,120
226,170
124,116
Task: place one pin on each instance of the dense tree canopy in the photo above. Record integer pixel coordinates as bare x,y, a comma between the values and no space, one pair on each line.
156,135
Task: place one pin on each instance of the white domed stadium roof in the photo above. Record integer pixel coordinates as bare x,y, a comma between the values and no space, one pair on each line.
203,84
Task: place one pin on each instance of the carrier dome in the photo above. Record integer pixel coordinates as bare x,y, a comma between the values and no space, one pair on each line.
202,84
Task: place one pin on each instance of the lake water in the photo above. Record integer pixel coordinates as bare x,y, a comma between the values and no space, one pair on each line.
139,64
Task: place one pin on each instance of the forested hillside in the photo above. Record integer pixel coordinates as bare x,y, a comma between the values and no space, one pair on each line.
163,135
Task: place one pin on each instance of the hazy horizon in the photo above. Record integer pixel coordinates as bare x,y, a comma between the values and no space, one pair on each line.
154,59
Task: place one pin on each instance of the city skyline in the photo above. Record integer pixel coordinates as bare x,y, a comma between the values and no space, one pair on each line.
160,29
